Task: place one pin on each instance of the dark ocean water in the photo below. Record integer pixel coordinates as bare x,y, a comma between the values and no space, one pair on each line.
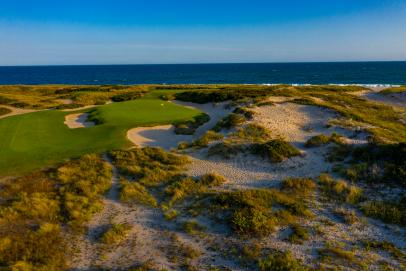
270,73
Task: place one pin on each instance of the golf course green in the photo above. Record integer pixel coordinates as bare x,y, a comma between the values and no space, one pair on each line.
40,139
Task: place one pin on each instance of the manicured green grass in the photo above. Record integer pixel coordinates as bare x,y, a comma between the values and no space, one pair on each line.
40,139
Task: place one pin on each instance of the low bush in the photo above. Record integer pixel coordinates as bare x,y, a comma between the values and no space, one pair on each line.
192,227
189,128
136,192
253,132
250,212
339,190
276,150
232,120
24,246
36,209
116,233
188,186
202,142
387,247
341,256
150,166
127,96
317,141
225,93
299,234
348,216
4,111
248,114
212,179
379,163
302,186
225,150
389,212
281,262
82,182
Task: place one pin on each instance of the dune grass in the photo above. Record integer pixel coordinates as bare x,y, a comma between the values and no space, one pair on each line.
41,139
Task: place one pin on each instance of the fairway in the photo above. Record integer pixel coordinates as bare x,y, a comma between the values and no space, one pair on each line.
40,139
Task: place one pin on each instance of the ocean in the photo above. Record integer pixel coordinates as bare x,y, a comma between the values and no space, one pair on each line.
363,73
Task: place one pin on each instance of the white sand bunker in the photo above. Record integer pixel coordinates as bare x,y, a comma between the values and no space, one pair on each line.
74,121
157,136
164,136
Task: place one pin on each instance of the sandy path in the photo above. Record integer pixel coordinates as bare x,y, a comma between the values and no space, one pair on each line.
74,121
164,135
16,111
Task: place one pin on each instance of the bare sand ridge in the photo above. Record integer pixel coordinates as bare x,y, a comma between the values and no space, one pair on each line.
79,120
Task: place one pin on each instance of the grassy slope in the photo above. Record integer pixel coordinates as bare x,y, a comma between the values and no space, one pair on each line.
39,139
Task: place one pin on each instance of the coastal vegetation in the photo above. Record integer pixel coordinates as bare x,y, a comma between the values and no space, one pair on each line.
4,111
327,185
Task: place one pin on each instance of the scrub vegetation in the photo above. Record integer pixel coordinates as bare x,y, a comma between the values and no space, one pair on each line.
40,210
326,194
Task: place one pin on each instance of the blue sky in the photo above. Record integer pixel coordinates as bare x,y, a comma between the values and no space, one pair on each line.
47,32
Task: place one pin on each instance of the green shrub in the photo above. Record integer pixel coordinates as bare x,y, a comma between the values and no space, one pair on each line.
389,212
225,93
303,186
127,96
180,189
4,111
189,128
340,190
299,234
24,245
202,142
250,213
150,166
385,246
192,227
275,150
349,216
232,120
280,262
317,141
136,192
171,214
225,150
253,132
378,163
82,182
248,114
212,179
116,233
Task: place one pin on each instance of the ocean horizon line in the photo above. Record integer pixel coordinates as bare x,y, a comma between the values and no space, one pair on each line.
207,63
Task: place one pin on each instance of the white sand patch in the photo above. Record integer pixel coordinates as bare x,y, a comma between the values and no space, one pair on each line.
164,136
16,111
295,123
392,99
78,120
156,136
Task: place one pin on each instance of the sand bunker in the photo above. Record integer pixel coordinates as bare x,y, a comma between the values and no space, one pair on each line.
74,121
157,136
165,137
